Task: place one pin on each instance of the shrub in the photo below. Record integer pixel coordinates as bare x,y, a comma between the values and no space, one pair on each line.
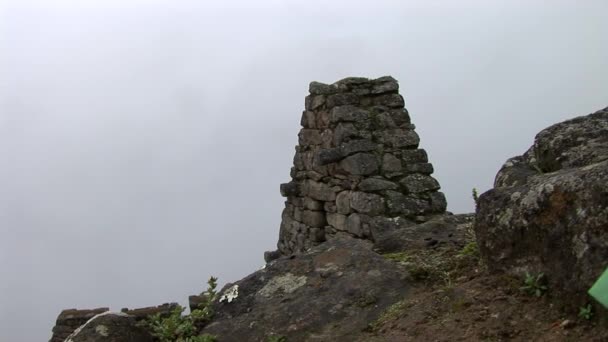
184,328
534,285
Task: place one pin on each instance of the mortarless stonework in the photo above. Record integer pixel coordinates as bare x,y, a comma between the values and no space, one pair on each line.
357,166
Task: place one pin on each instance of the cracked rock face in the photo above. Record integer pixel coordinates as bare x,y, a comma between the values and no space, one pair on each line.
357,160
548,211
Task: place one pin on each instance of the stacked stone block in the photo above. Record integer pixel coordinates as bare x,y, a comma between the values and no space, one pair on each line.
357,166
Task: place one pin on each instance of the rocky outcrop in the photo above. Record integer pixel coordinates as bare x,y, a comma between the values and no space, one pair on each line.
357,166
548,211
69,320
330,293
110,327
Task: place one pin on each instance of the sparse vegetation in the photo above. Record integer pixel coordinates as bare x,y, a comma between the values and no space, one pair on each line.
586,312
470,250
535,285
393,312
177,327
475,197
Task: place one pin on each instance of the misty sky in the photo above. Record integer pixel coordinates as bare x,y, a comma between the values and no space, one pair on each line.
142,143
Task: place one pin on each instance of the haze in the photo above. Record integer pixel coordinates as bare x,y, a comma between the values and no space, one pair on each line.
142,143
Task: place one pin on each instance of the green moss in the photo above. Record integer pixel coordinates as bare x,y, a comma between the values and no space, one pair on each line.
392,313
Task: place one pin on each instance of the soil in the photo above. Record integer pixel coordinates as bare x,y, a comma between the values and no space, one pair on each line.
455,299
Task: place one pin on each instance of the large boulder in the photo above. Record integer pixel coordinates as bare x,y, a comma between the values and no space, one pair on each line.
110,327
548,211
330,293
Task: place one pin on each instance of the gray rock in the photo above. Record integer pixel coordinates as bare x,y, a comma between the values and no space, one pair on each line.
416,183
338,221
289,189
315,219
398,203
341,100
389,100
317,88
309,137
390,163
318,191
376,184
367,203
385,85
355,146
343,202
399,138
424,168
555,222
309,119
414,156
360,164
348,113
334,290
110,327
344,132
330,155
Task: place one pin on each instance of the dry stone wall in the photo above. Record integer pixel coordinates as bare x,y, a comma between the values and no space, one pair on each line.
357,166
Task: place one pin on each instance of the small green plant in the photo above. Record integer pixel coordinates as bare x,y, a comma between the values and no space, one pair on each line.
586,312
276,338
475,197
534,285
177,327
470,250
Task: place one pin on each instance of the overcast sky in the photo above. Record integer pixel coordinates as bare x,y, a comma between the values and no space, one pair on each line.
142,143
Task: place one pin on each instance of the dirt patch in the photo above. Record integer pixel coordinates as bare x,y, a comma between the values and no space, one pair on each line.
455,299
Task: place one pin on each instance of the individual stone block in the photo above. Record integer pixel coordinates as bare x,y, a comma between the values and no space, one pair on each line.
385,85
398,203
342,99
390,163
309,137
360,164
414,156
309,119
389,100
376,184
355,146
348,113
424,168
318,88
314,218
438,202
329,155
289,189
367,203
310,204
343,202
337,221
344,132
399,138
318,191
416,183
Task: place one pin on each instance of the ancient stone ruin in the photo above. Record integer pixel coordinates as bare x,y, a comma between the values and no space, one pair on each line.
357,167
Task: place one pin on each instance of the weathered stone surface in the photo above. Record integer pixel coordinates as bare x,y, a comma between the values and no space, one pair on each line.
376,184
337,221
416,183
554,223
289,189
367,203
318,191
398,234
330,293
360,164
110,327
313,218
318,88
70,319
357,158
348,113
163,310
309,137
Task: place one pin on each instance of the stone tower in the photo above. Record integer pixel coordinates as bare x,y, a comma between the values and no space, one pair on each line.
357,167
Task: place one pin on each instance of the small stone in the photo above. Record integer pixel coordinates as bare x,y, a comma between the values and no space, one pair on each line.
389,100
342,99
289,189
367,203
390,163
385,86
344,132
376,184
414,156
355,146
330,155
318,88
424,168
348,113
311,204
353,225
309,119
567,324
309,137
360,164
318,191
343,202
338,221
416,183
